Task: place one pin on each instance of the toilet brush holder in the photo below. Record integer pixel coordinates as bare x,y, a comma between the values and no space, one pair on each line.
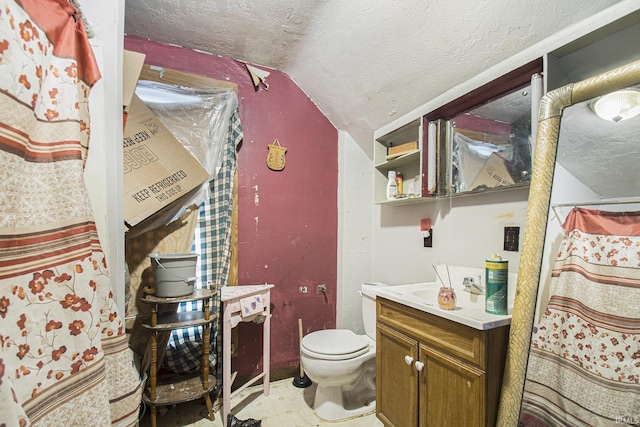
301,380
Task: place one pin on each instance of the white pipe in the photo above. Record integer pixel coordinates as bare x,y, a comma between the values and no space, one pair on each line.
537,90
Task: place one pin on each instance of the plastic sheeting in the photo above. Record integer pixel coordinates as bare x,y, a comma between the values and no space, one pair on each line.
469,157
199,120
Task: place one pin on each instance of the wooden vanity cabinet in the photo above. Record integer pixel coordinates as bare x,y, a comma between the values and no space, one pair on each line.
436,372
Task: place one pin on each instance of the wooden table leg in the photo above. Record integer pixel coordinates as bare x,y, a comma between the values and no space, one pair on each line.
266,343
154,365
207,400
226,364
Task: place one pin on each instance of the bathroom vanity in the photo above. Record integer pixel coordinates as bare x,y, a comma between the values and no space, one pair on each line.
434,371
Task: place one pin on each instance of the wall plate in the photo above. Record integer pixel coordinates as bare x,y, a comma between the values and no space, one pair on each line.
511,238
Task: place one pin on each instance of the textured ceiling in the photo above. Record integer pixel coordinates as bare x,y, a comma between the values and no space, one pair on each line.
362,63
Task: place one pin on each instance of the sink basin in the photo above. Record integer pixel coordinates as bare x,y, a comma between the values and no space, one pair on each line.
469,310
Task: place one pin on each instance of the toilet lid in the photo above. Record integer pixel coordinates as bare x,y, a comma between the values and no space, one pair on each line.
336,343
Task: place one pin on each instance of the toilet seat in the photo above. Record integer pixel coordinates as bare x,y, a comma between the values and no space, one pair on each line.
335,344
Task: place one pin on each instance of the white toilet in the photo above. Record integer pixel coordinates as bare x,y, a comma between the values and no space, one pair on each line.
343,365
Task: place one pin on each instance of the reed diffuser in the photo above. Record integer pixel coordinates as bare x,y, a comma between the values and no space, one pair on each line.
446,294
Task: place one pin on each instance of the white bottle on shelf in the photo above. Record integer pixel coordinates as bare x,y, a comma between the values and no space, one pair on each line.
392,186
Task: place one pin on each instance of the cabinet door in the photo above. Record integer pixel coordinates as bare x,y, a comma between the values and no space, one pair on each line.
451,392
396,378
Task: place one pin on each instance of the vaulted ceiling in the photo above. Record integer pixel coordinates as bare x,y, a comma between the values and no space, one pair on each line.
362,62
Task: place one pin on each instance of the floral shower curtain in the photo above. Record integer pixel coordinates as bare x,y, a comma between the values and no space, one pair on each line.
64,358
584,365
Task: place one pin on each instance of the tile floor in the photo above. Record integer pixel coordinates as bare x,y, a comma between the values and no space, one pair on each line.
286,406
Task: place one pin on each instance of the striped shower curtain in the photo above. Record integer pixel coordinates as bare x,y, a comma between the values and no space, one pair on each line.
64,358
584,364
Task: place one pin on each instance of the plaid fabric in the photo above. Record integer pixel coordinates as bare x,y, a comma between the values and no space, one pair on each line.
212,241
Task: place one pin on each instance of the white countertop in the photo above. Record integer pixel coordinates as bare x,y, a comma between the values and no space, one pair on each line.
470,309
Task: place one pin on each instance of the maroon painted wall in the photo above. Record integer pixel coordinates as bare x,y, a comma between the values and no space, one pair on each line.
287,225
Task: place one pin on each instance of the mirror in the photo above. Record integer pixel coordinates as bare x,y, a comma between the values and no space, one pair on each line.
491,144
552,108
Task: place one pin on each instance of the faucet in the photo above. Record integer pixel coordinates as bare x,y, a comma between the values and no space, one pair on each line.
471,286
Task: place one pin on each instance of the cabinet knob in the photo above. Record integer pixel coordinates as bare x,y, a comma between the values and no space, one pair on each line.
408,360
419,366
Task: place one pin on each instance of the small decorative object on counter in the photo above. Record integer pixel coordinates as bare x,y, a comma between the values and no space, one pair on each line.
392,186
275,157
447,298
496,285
446,295
399,182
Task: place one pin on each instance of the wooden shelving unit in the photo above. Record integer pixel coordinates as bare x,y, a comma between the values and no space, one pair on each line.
179,388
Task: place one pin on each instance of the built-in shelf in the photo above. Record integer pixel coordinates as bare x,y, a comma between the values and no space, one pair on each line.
400,161
409,165
451,159
470,194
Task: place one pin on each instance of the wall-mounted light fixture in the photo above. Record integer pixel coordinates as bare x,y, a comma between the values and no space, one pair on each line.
617,106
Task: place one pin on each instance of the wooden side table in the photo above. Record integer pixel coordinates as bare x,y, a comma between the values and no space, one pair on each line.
185,388
244,303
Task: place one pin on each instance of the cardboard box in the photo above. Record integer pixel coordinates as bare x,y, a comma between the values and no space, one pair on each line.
494,173
132,63
158,170
399,150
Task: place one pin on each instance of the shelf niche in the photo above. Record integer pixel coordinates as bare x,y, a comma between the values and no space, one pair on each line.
431,173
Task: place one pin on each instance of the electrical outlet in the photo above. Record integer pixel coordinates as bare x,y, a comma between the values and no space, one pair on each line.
428,241
303,289
511,237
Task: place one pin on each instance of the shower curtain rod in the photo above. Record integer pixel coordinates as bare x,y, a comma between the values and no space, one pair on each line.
557,206
601,202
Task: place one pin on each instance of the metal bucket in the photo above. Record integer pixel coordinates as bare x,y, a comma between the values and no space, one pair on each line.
173,274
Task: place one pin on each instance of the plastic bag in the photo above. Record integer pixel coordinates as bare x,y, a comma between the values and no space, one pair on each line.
232,421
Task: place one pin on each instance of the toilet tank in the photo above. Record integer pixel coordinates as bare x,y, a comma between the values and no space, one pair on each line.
368,293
